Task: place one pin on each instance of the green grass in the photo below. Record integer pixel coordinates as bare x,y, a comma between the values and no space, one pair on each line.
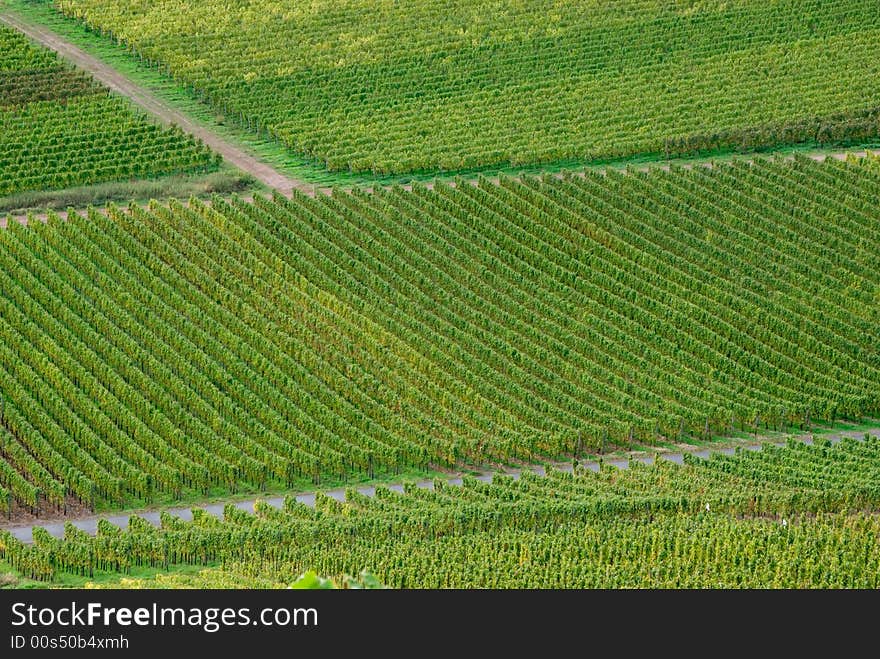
180,186
446,86
60,129
274,153
118,57
10,579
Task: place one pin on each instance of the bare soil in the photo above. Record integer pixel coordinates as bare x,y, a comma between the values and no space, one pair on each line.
262,171
22,515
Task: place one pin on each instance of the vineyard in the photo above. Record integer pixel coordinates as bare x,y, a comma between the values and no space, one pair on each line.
791,516
181,348
391,88
60,129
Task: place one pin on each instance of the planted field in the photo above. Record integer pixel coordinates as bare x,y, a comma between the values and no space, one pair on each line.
181,348
60,129
783,517
388,87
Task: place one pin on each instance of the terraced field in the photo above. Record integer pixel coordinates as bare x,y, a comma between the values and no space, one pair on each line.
433,85
60,129
183,348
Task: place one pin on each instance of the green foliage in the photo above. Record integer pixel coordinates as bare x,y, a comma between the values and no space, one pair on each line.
311,581
364,581
225,181
59,129
390,88
181,348
797,516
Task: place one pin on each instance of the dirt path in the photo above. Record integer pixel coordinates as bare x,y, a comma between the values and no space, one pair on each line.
89,524
263,172
156,107
260,170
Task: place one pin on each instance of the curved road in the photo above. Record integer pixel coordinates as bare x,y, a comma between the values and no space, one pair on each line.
90,524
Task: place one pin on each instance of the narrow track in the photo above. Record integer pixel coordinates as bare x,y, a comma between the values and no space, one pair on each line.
89,524
274,179
260,170
152,104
